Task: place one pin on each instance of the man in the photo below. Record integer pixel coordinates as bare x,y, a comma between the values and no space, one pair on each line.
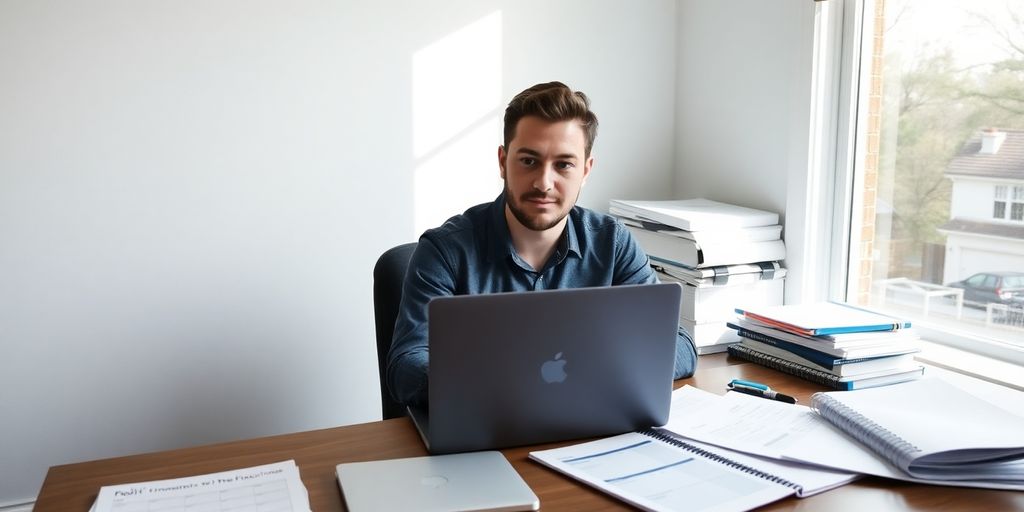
531,237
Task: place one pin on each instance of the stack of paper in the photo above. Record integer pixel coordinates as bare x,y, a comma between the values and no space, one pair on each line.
269,488
700,233
926,431
696,215
725,256
833,344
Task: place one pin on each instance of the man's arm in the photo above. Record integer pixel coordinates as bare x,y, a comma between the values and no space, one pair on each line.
634,267
686,355
428,276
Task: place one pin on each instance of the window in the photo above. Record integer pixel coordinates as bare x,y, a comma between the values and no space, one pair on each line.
930,100
1017,206
999,211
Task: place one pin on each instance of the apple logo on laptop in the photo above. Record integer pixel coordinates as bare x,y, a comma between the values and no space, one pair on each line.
434,481
553,370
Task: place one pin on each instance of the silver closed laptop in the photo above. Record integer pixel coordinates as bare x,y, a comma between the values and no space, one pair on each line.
475,481
512,369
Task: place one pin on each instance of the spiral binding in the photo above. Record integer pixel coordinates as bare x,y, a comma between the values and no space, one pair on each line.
777,363
718,458
880,439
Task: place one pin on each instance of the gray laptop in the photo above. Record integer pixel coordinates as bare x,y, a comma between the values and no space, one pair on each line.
520,368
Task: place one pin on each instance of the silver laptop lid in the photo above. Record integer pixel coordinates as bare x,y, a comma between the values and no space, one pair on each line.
521,368
463,481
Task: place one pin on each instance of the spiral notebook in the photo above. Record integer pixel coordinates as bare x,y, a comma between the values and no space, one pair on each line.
933,431
657,470
825,378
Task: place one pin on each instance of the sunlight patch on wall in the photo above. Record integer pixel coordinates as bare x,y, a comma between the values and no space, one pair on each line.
455,178
457,109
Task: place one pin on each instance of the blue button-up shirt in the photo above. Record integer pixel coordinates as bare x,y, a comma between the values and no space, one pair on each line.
473,253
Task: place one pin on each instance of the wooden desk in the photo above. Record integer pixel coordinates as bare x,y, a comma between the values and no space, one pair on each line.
73,487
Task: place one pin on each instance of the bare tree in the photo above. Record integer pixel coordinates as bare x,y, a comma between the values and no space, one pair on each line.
1003,86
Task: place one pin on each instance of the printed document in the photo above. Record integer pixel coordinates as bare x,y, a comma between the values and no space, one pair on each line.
655,476
268,488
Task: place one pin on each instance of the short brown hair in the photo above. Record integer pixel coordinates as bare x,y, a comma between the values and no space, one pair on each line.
552,101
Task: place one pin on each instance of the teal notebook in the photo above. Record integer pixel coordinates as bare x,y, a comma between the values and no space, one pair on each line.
822,318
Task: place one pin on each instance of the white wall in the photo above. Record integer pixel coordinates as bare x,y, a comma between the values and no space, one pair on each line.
741,79
975,198
743,112
193,194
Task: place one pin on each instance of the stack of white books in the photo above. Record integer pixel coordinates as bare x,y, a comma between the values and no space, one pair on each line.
725,256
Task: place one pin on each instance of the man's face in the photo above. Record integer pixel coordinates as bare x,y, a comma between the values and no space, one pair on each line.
544,169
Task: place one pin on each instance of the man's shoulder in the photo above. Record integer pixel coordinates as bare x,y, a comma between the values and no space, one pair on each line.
601,233
459,226
594,221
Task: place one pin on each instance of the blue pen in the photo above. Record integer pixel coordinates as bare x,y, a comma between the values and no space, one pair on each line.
750,387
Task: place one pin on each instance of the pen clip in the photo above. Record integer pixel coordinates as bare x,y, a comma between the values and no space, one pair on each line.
748,384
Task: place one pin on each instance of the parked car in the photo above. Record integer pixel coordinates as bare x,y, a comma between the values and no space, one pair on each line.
999,287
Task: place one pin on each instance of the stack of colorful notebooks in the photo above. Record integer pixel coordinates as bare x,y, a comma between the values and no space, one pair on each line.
724,256
840,346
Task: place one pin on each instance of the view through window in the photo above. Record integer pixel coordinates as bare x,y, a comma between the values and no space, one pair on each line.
938,221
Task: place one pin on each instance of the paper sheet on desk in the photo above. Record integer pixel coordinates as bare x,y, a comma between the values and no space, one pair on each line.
770,429
272,488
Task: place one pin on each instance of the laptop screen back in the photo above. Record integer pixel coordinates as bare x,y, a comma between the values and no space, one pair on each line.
521,368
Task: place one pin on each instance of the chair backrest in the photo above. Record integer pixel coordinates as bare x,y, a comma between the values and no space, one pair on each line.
388,276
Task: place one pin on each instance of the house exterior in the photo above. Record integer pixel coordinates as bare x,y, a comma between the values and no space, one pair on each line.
986,227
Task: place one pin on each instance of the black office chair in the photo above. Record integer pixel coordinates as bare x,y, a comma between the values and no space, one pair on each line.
388,276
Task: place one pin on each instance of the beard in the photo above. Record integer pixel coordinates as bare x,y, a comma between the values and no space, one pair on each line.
535,222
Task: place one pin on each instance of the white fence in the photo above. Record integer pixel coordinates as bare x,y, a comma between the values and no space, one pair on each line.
920,292
1002,314
944,302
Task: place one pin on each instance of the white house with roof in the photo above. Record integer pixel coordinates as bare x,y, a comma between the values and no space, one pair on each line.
986,227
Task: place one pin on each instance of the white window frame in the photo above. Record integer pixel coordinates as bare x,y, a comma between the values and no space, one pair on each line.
1015,197
1000,194
845,25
